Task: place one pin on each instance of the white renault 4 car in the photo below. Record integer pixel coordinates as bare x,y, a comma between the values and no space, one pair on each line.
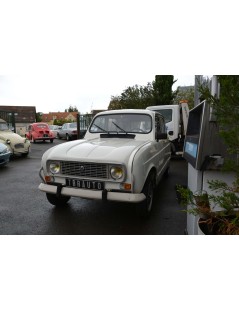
122,157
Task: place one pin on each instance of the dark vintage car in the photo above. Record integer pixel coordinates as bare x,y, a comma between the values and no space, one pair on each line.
39,132
68,131
4,154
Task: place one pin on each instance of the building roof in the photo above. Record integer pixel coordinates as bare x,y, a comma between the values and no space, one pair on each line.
58,115
23,114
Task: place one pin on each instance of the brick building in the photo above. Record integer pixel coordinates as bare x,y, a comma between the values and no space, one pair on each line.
18,116
68,116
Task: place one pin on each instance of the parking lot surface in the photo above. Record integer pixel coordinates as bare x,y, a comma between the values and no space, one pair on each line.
25,210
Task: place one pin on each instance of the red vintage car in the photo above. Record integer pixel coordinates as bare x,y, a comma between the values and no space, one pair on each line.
39,132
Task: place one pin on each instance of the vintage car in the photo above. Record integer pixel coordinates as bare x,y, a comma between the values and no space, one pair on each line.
123,156
4,154
68,131
39,132
16,144
55,129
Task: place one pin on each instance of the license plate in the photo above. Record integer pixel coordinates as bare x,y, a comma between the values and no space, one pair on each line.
85,184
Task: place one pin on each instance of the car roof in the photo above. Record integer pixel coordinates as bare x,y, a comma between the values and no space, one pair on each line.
39,123
129,111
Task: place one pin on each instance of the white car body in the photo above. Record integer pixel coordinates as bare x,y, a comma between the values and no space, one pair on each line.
16,144
112,164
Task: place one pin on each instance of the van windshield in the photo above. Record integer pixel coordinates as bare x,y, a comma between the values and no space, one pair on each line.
167,114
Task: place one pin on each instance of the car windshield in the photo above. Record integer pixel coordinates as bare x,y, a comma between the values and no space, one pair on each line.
42,126
122,123
3,126
72,125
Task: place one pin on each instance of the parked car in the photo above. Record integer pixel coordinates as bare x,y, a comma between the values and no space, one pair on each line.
123,157
16,144
4,154
39,132
68,131
55,129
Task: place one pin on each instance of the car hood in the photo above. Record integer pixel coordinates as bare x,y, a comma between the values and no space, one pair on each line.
13,137
97,150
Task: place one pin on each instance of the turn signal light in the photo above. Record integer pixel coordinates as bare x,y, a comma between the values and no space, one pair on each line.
127,186
48,178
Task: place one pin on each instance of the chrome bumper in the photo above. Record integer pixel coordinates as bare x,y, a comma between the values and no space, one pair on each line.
92,194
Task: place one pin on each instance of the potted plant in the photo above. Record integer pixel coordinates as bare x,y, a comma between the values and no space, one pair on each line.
220,211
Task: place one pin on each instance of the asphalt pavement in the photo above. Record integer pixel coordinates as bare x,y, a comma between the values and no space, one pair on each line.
24,209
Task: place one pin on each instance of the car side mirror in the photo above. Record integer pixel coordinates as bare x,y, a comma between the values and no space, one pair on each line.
162,136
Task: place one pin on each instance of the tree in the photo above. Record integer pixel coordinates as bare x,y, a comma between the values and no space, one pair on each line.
162,89
133,97
71,109
39,116
185,93
140,97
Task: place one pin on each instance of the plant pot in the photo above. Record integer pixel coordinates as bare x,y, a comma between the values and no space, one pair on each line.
219,224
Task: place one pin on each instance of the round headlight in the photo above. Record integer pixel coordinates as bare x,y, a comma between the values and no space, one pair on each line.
8,141
55,168
116,172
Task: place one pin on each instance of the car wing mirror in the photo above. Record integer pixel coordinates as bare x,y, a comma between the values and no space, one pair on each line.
162,136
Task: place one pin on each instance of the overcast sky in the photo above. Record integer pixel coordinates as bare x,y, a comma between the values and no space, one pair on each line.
57,93
54,54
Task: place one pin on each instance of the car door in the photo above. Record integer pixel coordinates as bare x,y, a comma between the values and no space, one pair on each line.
160,144
64,130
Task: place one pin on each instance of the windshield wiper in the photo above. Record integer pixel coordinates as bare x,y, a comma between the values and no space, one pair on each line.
119,127
100,128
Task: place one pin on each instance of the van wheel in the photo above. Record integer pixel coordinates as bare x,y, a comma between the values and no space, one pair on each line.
57,201
148,190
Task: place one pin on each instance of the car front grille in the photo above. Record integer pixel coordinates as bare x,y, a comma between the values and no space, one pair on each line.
19,145
87,170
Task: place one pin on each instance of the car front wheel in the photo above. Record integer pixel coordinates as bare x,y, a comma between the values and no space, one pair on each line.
56,201
148,190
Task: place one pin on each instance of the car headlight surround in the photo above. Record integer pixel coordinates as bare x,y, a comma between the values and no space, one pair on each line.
117,172
8,141
55,167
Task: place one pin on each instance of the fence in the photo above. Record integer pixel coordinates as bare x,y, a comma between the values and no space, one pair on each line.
83,122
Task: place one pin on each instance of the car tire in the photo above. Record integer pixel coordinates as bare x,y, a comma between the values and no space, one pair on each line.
55,201
51,140
68,137
148,190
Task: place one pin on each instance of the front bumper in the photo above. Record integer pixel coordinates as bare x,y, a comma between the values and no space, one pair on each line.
92,194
